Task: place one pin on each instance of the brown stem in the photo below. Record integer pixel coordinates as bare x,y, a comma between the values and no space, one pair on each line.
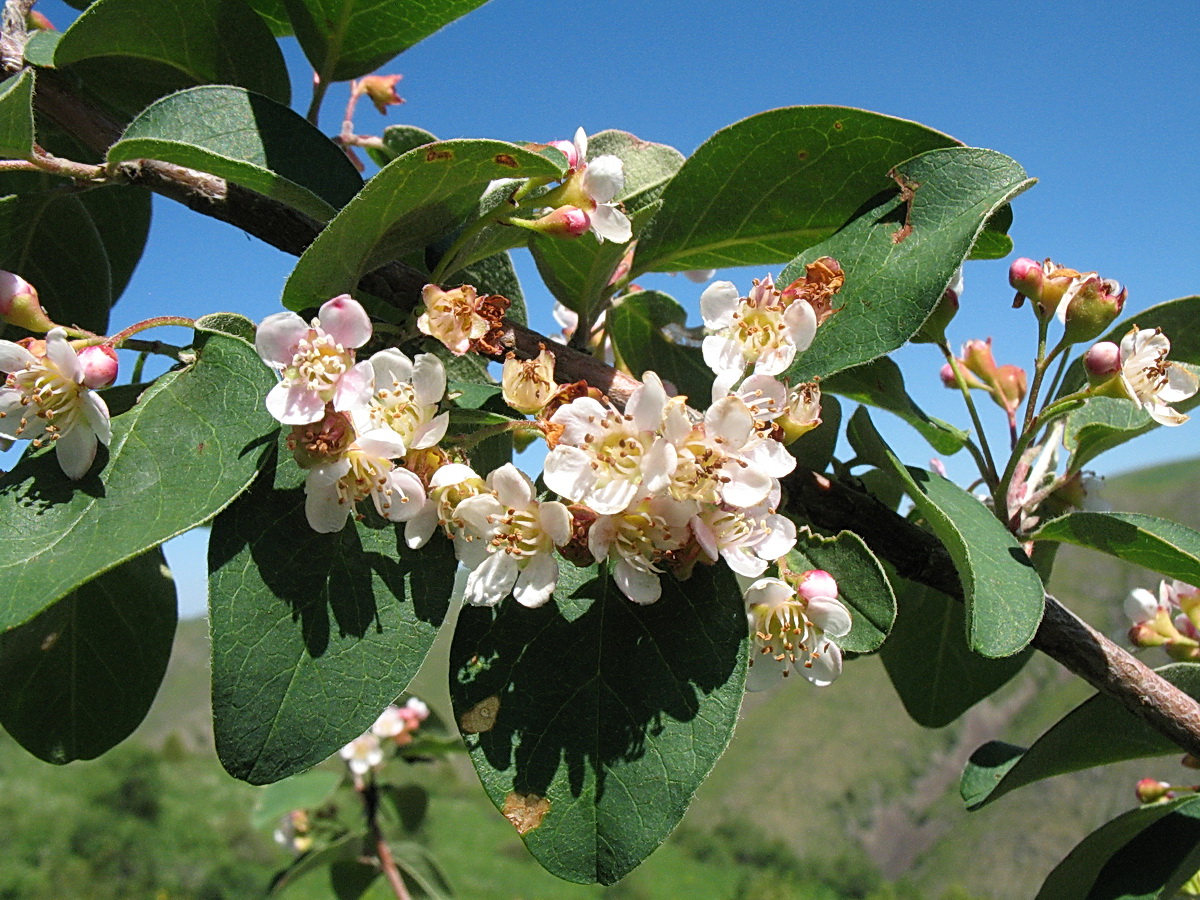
825,502
369,791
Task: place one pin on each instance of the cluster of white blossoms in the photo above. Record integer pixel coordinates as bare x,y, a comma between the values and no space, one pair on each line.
351,421
396,725
650,488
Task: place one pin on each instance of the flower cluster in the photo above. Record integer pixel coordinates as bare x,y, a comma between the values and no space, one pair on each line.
351,421
795,622
397,724
1171,620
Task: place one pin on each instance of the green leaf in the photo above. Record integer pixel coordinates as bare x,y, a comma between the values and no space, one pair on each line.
1098,732
894,281
274,13
1156,544
346,848
1177,319
81,675
398,140
881,384
312,634
191,444
38,232
181,34
231,324
1104,423
308,790
862,585
649,167
350,879
1003,595
994,242
591,721
635,324
421,867
767,187
929,663
344,39
121,214
1149,852
414,201
16,116
39,49
245,138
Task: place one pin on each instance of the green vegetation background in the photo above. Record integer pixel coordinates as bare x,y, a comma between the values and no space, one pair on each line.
823,794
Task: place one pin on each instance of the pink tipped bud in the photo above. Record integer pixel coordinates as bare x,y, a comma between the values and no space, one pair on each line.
19,304
568,150
1010,386
99,365
977,357
566,221
1026,276
817,583
1102,361
1150,790
947,376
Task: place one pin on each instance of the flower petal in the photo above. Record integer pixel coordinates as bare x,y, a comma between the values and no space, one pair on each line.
62,355
537,580
295,404
718,303
492,580
277,337
95,410
344,319
14,357
604,179
76,450
639,585
609,223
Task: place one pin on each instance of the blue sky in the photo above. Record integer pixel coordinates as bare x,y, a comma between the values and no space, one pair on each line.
1097,100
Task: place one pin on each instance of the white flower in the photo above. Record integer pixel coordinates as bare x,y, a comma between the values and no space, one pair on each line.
390,723
638,537
746,539
46,398
603,458
403,395
315,361
448,487
1147,378
762,329
515,536
363,754
602,180
793,633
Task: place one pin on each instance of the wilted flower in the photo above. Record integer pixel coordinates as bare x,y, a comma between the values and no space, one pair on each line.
462,319
315,360
45,397
380,88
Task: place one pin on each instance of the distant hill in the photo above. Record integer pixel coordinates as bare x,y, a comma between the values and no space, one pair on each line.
840,775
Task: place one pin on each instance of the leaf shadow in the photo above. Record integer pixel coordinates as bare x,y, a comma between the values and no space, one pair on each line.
588,692
38,480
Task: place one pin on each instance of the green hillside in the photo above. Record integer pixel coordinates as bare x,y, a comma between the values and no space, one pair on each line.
833,787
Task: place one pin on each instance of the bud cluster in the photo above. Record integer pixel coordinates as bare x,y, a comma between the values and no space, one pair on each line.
1006,384
1083,302
396,725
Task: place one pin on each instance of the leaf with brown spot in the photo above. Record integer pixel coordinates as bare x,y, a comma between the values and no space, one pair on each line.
525,811
481,717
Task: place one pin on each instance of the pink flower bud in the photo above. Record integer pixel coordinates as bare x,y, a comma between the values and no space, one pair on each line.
19,304
1102,361
1150,790
566,221
568,150
1090,306
977,357
1026,276
1144,635
817,583
99,365
947,376
1010,386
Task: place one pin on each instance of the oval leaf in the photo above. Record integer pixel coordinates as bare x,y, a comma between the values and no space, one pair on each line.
191,444
591,721
931,667
1107,422
181,34
899,256
1159,545
411,203
1003,595
862,585
1147,852
767,187
83,673
245,138
16,116
312,634
1098,732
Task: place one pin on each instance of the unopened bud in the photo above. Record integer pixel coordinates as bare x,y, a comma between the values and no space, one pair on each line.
99,364
1026,276
1092,305
1149,790
381,89
1143,634
1102,361
977,357
934,329
816,583
803,412
19,304
566,221
1010,386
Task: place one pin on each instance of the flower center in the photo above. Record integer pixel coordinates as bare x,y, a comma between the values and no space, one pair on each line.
318,363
